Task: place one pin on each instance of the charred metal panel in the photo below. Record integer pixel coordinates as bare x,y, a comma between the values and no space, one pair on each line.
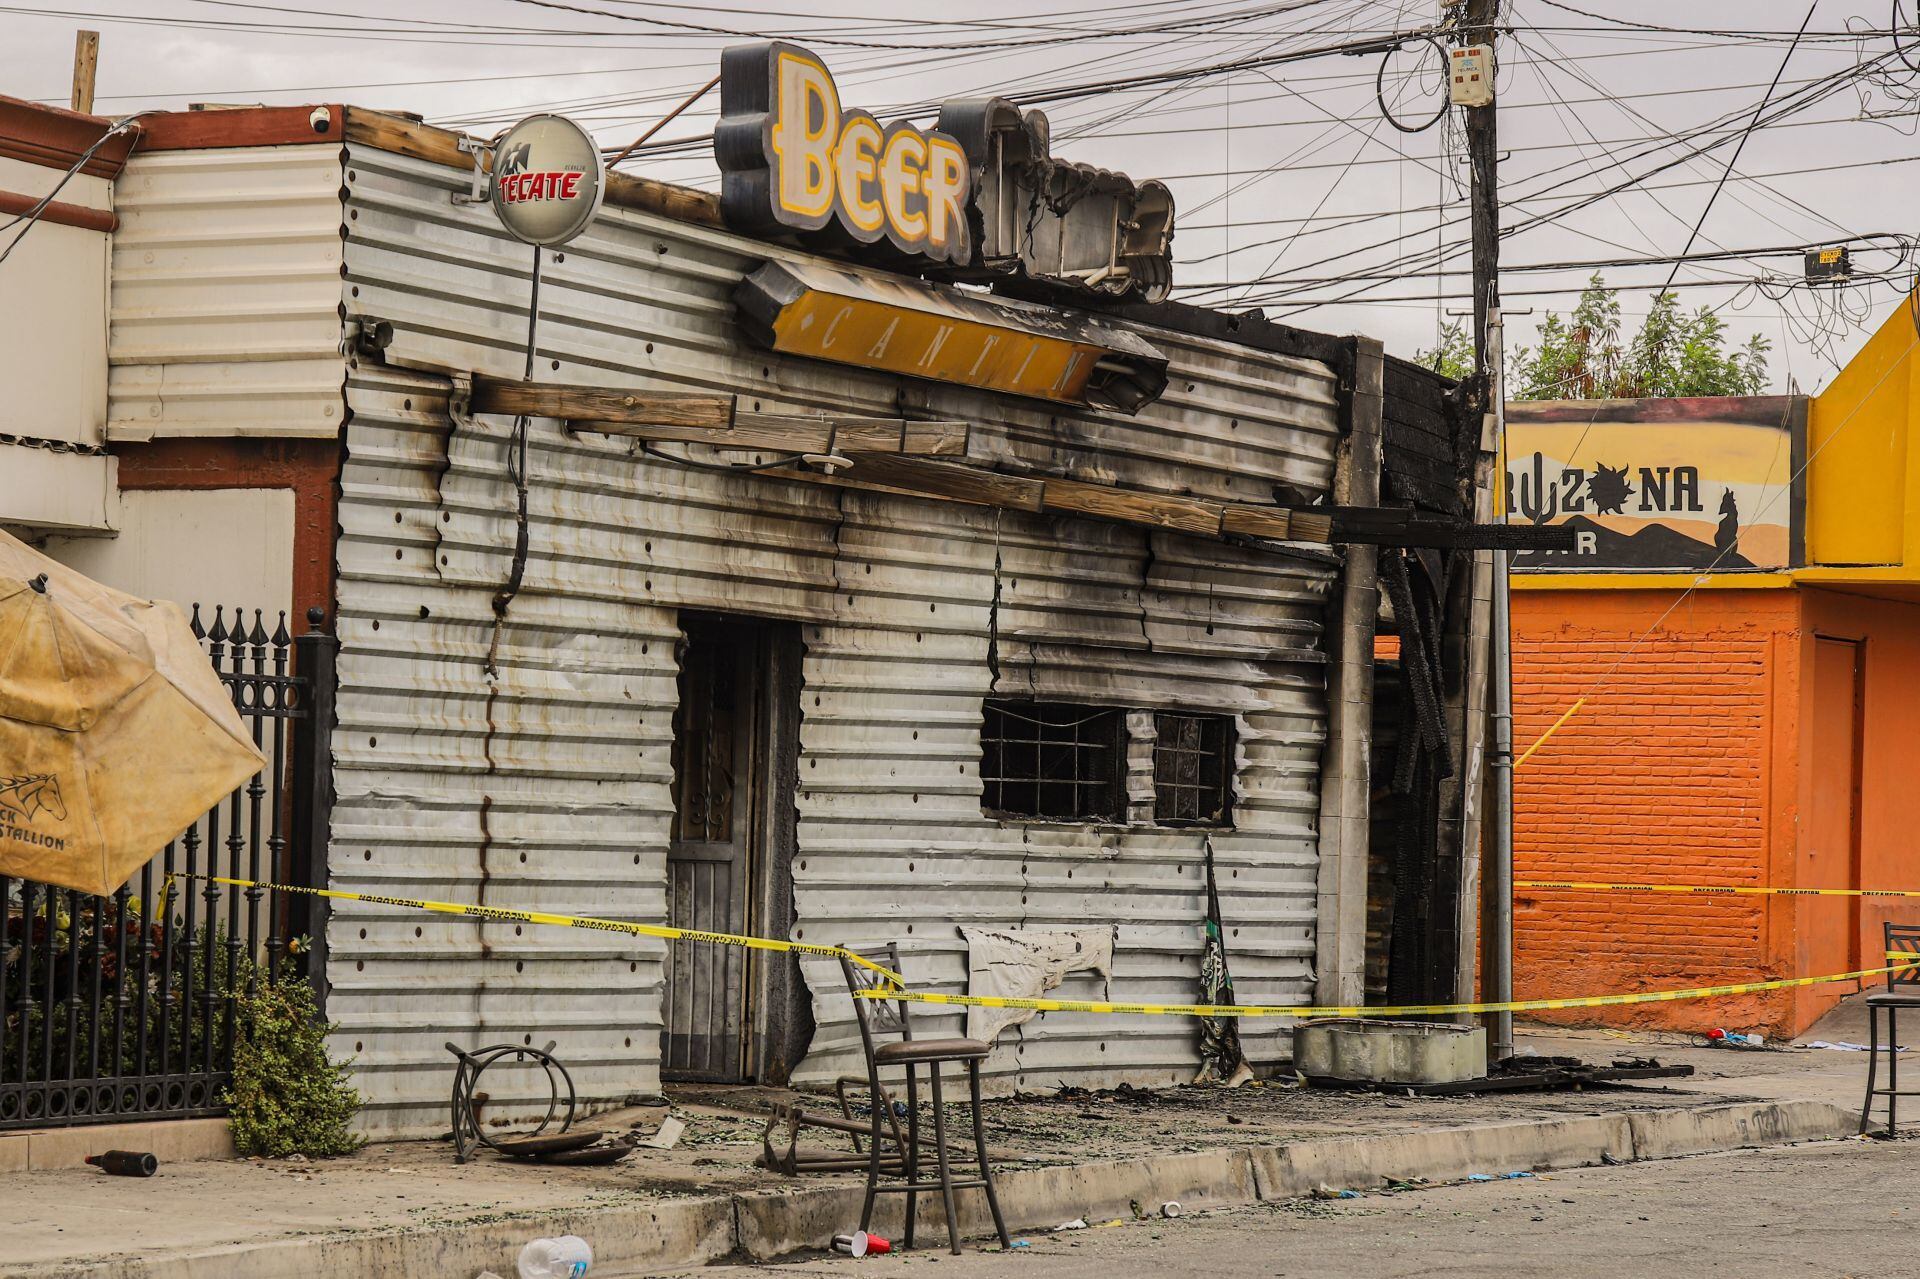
1052,220
910,614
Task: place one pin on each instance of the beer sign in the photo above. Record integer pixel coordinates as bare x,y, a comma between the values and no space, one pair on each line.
548,180
793,158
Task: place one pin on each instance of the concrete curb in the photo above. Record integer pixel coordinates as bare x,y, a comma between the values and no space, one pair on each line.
773,1223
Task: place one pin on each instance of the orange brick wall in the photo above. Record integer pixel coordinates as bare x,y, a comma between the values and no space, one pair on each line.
1672,772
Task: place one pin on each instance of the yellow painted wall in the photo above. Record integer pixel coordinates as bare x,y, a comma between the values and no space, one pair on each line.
1857,434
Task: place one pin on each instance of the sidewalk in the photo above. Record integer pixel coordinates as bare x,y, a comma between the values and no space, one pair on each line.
406,1208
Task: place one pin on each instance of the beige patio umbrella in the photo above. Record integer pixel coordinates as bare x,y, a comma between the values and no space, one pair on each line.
115,732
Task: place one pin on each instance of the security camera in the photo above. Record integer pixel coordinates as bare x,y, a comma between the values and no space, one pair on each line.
321,119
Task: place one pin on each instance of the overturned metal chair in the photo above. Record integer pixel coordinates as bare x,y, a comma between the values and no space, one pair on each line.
788,1157
878,1017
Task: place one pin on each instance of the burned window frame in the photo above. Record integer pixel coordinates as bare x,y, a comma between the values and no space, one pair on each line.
1065,738
1169,768
1193,759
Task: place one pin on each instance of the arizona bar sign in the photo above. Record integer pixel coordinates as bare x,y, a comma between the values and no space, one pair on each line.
547,180
793,159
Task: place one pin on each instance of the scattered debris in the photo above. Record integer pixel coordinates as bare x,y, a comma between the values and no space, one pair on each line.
1324,1191
125,1163
861,1244
1078,1223
668,1135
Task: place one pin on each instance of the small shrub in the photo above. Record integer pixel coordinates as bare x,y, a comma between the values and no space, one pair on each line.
287,1098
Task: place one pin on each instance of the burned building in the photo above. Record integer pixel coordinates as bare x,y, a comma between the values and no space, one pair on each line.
800,587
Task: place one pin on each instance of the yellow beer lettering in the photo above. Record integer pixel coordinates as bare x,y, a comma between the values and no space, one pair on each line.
804,131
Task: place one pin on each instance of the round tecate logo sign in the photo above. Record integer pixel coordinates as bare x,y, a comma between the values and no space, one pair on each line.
547,179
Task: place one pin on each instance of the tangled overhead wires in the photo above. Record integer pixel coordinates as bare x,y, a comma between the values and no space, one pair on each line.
1897,82
1380,88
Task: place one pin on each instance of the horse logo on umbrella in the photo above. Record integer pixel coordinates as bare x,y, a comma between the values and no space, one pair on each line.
27,797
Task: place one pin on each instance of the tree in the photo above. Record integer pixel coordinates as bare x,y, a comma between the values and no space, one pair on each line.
1454,356
1672,354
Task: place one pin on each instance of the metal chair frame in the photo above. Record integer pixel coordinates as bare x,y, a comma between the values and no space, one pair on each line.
888,1016
1902,991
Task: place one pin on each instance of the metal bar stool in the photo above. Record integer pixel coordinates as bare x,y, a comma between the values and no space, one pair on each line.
889,1016
1902,991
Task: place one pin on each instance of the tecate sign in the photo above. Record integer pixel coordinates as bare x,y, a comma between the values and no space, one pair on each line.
547,179
793,159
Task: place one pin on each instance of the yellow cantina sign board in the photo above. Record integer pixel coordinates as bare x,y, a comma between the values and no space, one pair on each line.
903,326
792,158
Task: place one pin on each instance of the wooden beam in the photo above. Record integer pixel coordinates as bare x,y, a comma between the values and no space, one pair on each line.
845,437
1102,501
953,483
700,418
402,136
86,64
603,406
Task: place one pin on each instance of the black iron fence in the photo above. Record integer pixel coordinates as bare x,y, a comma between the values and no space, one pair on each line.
127,1006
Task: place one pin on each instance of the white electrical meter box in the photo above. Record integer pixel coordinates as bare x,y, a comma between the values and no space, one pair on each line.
1470,76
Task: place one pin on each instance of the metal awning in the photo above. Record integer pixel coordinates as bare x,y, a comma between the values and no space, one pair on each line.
897,325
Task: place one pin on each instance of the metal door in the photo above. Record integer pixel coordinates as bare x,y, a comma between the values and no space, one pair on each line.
706,1015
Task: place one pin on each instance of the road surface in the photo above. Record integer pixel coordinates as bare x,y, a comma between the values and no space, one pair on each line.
1835,1208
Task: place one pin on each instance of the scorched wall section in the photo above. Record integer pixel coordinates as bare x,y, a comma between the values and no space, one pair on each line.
528,763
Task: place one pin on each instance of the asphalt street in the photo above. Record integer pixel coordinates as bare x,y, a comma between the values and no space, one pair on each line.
1835,1208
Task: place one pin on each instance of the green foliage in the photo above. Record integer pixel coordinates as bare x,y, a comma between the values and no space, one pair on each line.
1454,356
179,1020
286,1097
1672,354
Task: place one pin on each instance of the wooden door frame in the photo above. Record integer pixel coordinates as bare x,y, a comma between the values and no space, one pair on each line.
775,1012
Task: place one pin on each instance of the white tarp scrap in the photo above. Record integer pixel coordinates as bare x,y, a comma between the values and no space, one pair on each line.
1025,963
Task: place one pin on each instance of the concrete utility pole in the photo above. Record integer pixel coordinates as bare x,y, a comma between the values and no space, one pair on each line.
1477,26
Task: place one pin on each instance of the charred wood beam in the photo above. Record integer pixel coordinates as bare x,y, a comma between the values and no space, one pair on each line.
1366,525
699,418
1401,526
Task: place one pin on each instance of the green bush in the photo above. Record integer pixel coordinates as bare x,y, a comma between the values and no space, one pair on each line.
286,1097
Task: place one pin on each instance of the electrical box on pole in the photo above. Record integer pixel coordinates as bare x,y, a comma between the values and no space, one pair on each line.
1470,75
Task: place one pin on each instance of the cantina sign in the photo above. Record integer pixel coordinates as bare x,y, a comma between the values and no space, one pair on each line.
792,158
1661,485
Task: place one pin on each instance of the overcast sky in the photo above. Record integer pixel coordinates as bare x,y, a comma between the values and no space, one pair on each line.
1285,176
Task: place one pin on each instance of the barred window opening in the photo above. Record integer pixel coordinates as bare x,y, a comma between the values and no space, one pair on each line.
1057,760
1192,770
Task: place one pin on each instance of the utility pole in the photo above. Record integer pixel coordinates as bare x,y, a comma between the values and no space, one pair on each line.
86,62
1483,164
1478,20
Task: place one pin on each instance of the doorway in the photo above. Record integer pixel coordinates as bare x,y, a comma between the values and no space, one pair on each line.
1830,855
728,1013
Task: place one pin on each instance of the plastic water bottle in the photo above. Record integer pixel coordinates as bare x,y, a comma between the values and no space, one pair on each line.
567,1257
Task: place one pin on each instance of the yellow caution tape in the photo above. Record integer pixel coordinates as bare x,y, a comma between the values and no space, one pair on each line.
1541,740
896,984
1711,890
1395,1010
559,921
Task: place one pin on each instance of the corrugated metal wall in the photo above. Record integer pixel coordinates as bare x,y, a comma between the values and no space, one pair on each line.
531,767
225,304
